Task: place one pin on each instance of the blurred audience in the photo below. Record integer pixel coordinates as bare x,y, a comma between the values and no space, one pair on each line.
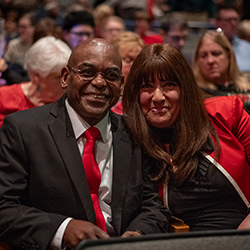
11,25
143,28
43,61
47,27
194,10
78,26
127,9
216,70
227,18
112,26
174,29
129,45
101,13
17,47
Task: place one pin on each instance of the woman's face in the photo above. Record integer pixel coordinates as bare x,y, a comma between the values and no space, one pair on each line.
160,102
128,52
213,62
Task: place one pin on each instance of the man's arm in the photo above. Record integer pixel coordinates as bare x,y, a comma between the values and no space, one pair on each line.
21,225
153,217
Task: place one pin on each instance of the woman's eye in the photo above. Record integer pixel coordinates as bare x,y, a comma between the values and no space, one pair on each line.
216,53
170,84
146,85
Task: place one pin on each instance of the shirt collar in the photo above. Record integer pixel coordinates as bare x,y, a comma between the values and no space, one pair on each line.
80,125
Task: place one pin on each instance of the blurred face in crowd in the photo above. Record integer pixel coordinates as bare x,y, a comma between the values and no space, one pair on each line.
141,26
128,52
160,102
175,36
228,21
93,79
111,30
25,29
213,62
78,34
50,88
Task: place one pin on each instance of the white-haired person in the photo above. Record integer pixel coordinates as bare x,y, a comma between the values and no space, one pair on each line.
43,61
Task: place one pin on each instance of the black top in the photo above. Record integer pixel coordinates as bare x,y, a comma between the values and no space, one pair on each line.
207,201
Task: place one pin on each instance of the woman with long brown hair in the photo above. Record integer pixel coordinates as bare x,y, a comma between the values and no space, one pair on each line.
202,149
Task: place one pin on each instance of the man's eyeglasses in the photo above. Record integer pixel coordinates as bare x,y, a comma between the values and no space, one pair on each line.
81,34
229,20
110,75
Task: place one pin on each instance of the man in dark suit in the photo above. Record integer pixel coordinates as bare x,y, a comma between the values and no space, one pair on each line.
45,202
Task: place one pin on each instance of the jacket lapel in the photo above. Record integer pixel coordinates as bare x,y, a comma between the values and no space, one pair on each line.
121,163
62,132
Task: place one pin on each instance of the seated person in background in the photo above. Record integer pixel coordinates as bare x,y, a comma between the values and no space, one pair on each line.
203,150
101,13
45,27
11,65
78,26
129,45
112,26
227,18
17,47
56,196
143,28
216,70
174,30
11,25
43,61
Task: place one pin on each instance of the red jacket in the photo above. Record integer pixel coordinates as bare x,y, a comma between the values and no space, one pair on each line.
232,124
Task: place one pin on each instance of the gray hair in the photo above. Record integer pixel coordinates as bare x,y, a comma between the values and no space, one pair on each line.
47,55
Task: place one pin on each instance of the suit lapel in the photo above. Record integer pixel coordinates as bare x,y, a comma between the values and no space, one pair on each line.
121,163
62,132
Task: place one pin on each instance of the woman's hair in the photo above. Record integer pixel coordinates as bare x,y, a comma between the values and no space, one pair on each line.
127,37
47,27
234,74
47,55
193,126
244,30
101,12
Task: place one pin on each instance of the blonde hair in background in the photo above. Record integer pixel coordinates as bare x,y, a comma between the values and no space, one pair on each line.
244,30
127,37
234,75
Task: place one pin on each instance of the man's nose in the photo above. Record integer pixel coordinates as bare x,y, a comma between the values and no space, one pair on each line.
99,81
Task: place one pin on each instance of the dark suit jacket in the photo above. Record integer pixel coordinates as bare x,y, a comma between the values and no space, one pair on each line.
42,180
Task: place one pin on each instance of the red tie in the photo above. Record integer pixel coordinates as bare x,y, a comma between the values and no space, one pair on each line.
93,174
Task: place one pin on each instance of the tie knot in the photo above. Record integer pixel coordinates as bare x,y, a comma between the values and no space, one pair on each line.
92,133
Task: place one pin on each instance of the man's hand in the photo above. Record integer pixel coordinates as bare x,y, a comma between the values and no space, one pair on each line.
78,230
130,234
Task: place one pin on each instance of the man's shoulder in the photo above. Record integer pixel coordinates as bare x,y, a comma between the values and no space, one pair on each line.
34,115
238,42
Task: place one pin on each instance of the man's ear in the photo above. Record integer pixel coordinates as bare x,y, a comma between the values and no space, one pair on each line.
64,77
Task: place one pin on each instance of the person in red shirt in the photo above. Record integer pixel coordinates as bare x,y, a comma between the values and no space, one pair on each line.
143,28
44,61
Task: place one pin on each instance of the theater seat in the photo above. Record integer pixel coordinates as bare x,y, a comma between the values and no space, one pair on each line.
206,240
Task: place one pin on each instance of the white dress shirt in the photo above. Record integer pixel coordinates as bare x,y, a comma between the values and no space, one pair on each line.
104,159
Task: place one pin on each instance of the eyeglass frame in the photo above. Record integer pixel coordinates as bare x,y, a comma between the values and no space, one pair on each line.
78,71
81,33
